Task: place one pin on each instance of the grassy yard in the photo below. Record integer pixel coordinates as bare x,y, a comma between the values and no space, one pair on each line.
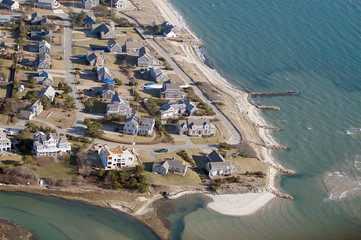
206,140
3,91
57,64
58,117
10,160
124,138
79,36
124,33
59,171
4,68
79,51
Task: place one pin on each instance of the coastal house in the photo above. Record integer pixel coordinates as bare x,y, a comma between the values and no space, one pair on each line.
50,144
40,35
43,47
117,158
171,91
89,20
174,108
163,167
7,18
43,61
44,78
120,4
96,58
107,91
119,105
103,73
5,142
170,31
34,110
48,92
132,46
104,30
38,19
196,127
114,46
89,4
146,58
158,75
139,125
10,4
48,4
217,166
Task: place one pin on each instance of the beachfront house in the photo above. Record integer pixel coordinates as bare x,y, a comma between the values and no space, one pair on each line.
171,91
107,91
96,58
158,75
48,92
146,58
34,110
50,144
119,106
117,158
170,31
44,78
114,46
5,143
196,127
132,46
139,125
120,4
43,61
10,4
174,108
217,166
104,30
89,4
163,167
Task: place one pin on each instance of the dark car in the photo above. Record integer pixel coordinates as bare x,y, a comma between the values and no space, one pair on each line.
162,150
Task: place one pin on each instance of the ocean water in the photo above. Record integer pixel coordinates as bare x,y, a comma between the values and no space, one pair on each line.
308,46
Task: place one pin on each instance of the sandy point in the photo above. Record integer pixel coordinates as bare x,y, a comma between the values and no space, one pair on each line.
239,204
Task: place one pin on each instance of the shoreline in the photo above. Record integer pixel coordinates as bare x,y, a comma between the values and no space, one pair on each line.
254,114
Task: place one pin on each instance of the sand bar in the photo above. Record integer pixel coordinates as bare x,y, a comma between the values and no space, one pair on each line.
239,204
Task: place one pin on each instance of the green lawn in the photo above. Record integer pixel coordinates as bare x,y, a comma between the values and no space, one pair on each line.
59,171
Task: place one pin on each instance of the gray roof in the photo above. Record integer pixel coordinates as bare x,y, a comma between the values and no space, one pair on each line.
171,86
215,157
198,121
49,92
8,2
176,163
119,98
107,86
43,57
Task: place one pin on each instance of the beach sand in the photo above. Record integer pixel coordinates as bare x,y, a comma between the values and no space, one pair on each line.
239,204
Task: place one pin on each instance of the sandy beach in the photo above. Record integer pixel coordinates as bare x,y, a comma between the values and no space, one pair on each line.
239,204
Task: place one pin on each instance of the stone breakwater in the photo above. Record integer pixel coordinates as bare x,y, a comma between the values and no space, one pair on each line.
270,127
276,108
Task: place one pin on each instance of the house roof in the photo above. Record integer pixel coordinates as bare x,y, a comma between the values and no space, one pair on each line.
171,86
176,163
49,91
119,98
103,70
107,86
221,164
25,114
8,2
43,57
36,104
95,54
215,157
43,43
198,121
112,43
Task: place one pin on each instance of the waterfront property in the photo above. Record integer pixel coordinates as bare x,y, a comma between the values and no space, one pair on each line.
158,75
163,167
107,91
9,4
96,58
114,46
196,127
170,31
139,125
44,78
104,30
117,158
34,110
43,61
50,144
89,4
217,166
119,105
171,91
103,73
146,58
132,46
174,108
5,143
43,46
48,92
48,4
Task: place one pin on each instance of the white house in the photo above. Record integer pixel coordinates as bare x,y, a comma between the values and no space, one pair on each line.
49,92
139,125
170,164
10,4
217,166
170,30
116,158
119,105
50,144
33,111
120,4
174,108
5,143
196,127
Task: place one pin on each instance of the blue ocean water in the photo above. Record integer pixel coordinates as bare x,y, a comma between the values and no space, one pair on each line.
308,46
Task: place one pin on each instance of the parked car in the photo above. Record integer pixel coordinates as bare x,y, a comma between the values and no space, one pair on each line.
162,150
